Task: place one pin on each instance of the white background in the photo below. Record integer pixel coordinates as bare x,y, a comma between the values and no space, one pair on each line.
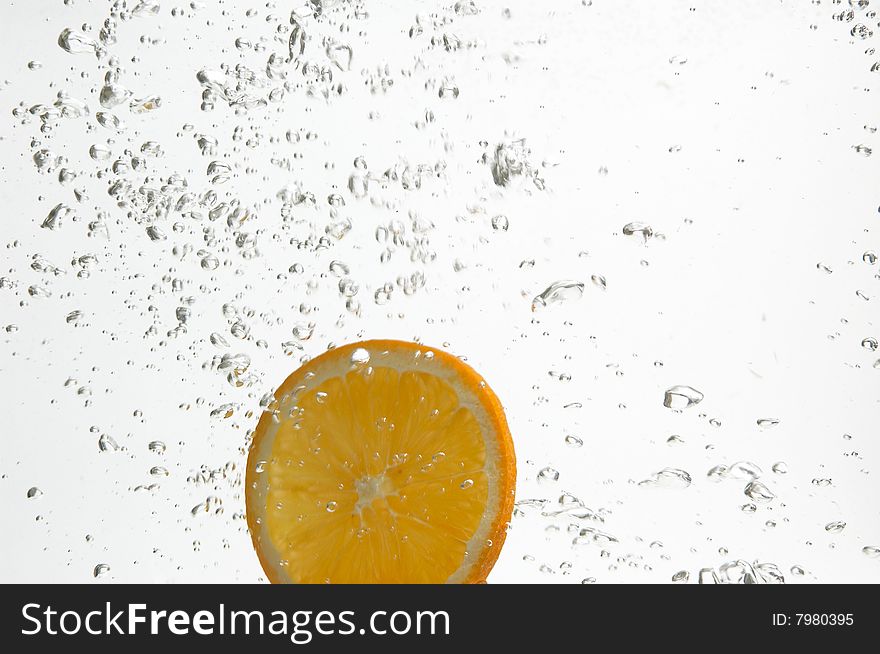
765,101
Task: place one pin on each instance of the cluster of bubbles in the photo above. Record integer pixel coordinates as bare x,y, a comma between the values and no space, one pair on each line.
265,181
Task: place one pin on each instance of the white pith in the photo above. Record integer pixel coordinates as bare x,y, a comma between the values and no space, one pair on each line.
371,488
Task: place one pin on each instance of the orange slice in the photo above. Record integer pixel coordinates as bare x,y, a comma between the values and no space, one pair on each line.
381,462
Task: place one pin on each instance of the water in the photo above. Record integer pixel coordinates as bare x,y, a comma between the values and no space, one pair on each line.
668,478
101,570
76,42
759,492
667,217
548,476
681,397
57,216
561,292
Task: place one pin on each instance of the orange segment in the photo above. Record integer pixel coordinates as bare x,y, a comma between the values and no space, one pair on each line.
381,462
